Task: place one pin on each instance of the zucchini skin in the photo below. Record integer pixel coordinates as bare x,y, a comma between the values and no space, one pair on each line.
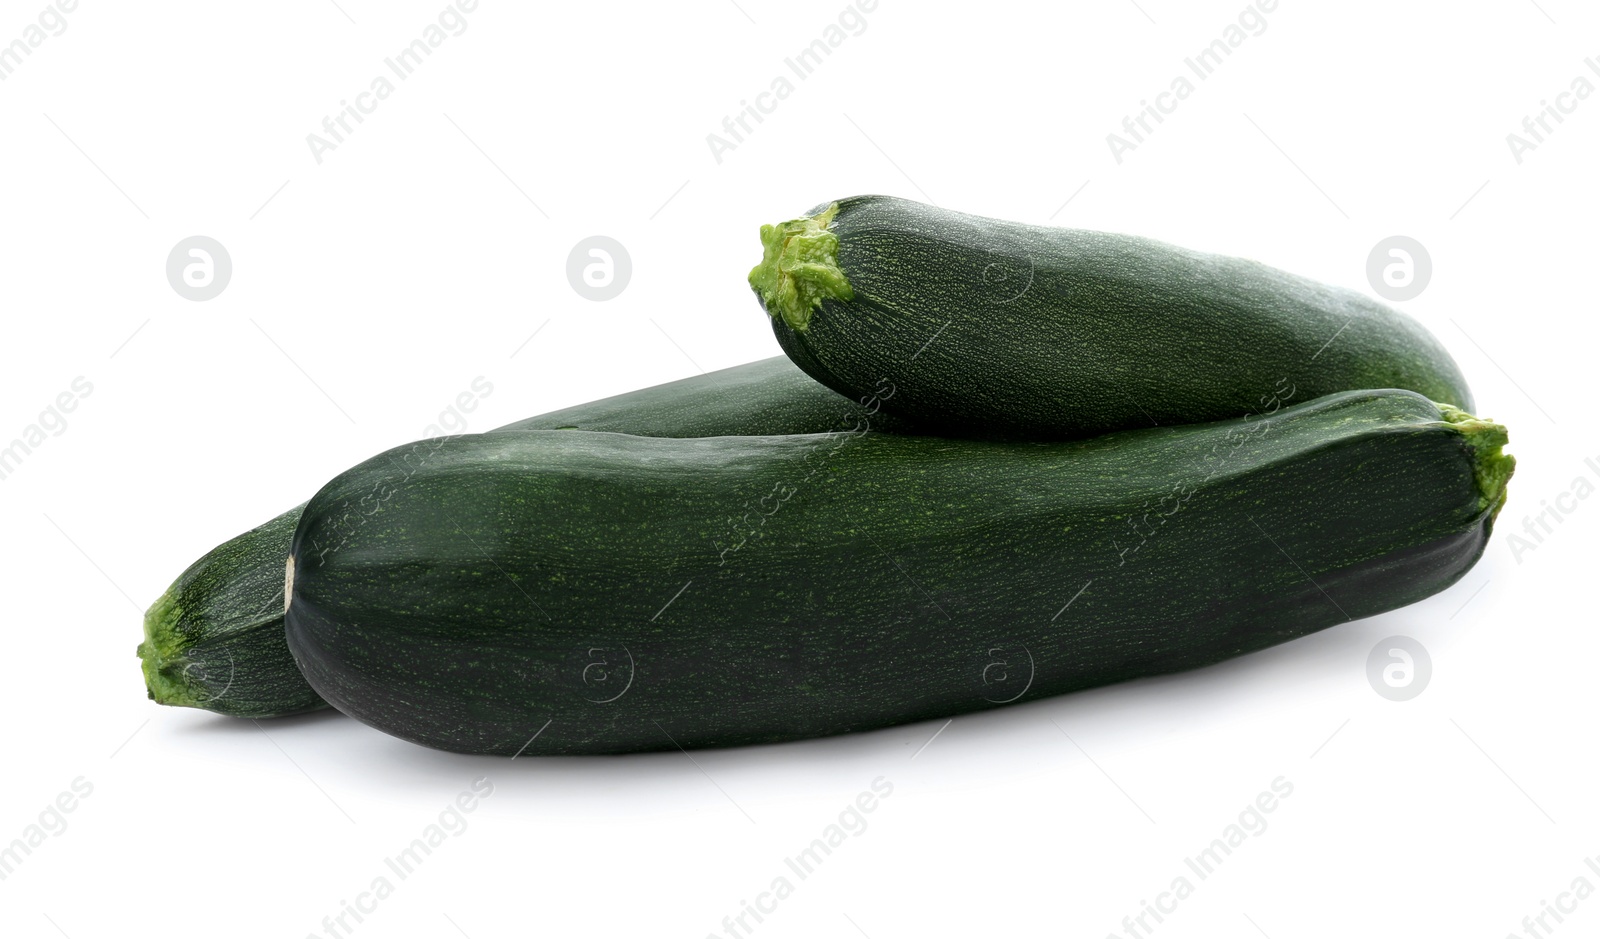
214,640
499,586
1000,329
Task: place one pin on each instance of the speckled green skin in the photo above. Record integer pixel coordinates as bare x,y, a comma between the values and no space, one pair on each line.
214,640
999,329
769,396
581,586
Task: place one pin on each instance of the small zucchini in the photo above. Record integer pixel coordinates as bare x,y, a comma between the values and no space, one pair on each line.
1000,329
214,640
545,593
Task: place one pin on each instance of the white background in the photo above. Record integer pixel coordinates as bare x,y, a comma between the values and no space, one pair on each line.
372,288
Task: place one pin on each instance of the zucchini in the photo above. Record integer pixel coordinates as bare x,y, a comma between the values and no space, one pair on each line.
214,640
568,593
992,328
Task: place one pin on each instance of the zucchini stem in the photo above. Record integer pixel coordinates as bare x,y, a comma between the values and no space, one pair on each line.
167,678
799,268
1492,466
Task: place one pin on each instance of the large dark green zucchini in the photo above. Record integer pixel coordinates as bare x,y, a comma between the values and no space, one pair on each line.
990,328
214,640
546,593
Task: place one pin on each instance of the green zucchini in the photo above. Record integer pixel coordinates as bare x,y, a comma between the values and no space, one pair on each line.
546,593
214,640
990,328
